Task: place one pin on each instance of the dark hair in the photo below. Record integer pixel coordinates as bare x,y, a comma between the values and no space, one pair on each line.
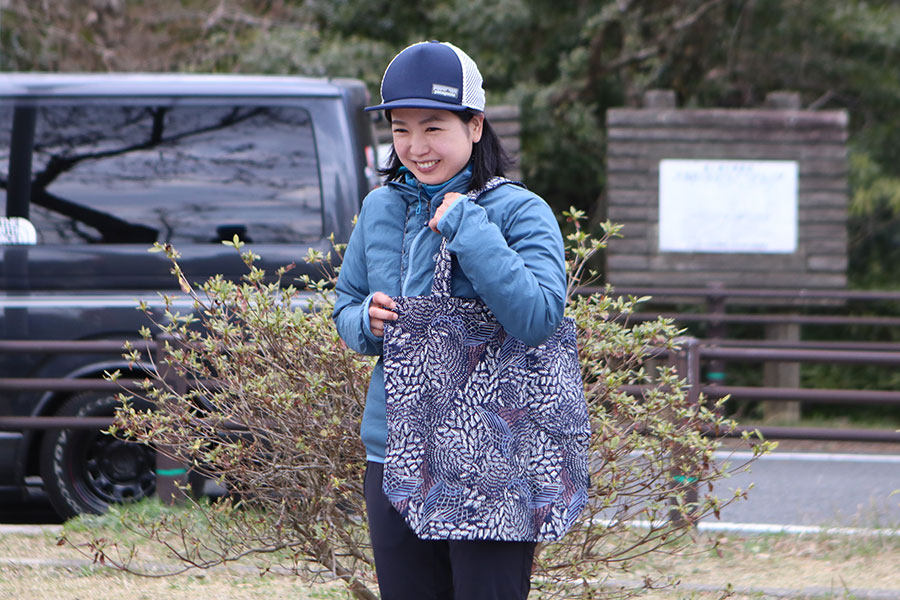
489,159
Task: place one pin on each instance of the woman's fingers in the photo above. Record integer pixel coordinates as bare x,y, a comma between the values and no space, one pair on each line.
377,327
381,310
449,197
382,301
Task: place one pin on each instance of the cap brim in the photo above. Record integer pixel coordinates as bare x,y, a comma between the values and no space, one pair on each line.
418,103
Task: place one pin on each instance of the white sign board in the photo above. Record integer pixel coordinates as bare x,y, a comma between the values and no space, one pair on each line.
727,206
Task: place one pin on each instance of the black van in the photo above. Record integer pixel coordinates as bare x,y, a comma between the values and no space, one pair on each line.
97,168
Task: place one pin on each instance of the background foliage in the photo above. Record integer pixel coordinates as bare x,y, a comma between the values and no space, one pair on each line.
565,63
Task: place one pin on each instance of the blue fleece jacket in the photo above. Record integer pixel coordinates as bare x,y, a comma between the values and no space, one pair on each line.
507,250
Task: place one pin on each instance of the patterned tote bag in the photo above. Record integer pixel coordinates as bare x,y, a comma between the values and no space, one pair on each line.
487,437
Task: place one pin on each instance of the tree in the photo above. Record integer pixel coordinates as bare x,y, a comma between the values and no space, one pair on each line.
270,407
565,63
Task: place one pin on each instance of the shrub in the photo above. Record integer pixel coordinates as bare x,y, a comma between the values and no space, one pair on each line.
271,404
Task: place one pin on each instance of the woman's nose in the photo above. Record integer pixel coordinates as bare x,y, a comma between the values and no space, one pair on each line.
418,144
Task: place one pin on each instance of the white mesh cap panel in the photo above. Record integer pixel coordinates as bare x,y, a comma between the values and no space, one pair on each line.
473,92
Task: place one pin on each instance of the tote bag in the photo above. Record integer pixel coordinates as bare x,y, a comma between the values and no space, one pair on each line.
487,437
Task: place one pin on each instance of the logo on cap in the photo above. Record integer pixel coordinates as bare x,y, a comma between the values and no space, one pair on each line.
438,89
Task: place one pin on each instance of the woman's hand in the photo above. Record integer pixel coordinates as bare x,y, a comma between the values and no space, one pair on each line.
449,197
381,309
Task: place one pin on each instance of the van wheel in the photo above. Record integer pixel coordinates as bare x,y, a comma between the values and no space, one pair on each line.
86,470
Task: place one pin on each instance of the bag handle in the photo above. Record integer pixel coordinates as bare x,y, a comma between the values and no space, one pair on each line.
440,285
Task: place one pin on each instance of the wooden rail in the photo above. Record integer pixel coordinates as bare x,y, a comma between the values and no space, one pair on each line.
690,359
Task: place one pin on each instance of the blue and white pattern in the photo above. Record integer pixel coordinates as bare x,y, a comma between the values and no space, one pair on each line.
487,437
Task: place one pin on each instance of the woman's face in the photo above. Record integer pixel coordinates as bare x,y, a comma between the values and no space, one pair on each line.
433,144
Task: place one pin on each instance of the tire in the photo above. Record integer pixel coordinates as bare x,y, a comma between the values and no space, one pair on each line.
86,470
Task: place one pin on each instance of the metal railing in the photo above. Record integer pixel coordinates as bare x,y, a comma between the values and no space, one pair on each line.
718,308
171,475
66,384
693,353
714,301
689,359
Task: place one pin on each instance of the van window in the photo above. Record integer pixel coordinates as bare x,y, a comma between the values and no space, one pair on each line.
184,174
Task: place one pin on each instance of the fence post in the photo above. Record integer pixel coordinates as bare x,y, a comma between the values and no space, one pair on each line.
171,472
716,330
781,374
687,363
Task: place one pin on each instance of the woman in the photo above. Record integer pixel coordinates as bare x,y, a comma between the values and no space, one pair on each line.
508,251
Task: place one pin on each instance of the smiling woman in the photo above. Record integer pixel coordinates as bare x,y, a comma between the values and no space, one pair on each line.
507,253
442,79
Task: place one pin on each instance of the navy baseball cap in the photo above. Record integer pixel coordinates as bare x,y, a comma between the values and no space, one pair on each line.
432,75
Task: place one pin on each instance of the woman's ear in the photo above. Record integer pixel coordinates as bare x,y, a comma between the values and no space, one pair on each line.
476,126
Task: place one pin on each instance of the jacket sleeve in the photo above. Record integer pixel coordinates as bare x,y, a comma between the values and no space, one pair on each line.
519,272
351,307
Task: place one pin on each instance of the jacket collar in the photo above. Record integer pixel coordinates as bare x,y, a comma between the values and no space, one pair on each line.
412,190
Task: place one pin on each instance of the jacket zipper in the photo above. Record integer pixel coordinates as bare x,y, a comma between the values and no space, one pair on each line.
403,253
405,270
412,248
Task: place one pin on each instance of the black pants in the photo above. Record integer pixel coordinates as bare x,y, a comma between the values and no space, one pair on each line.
410,568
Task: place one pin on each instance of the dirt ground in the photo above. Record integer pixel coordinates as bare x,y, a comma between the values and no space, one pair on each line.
742,567
33,567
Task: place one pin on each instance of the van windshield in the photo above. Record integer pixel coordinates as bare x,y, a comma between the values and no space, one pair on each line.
182,174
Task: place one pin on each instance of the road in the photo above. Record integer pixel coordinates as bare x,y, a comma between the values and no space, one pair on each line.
818,489
790,489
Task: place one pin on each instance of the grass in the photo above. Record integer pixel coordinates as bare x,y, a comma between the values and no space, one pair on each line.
37,567
34,567
41,570
795,562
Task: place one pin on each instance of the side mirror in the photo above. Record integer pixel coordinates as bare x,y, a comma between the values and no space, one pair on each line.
17,231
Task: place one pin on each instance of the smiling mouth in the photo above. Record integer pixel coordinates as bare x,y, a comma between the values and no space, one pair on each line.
427,164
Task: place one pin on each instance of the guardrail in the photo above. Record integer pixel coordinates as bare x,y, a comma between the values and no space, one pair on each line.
716,309
49,384
714,301
693,353
171,475
721,293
